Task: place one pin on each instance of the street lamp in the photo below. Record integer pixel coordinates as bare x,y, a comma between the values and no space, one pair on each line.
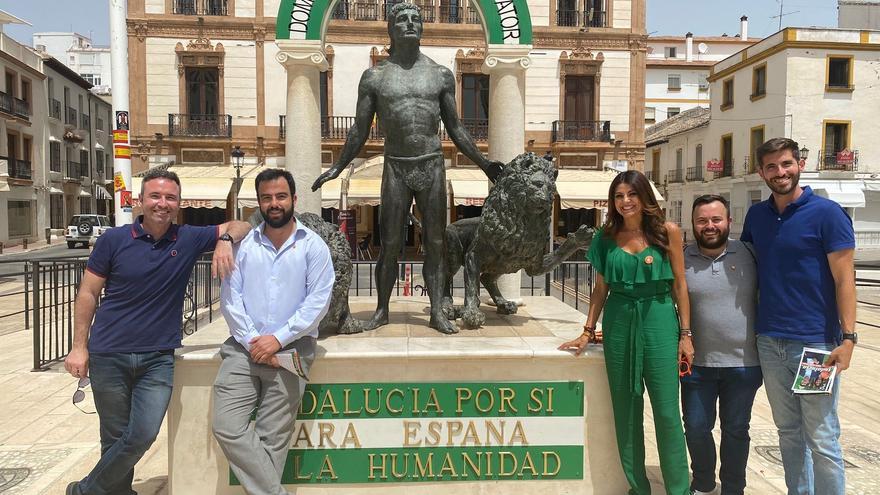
804,153
238,156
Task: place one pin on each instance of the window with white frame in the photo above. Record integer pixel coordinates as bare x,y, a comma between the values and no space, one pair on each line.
672,111
650,114
669,51
673,82
93,79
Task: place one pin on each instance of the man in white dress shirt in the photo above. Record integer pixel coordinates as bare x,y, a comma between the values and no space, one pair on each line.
273,302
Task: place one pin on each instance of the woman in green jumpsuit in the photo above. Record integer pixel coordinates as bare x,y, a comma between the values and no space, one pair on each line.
640,263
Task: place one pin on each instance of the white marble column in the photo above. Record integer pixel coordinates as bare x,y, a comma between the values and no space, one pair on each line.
506,66
304,61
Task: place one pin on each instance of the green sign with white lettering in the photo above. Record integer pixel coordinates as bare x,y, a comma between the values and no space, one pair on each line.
413,432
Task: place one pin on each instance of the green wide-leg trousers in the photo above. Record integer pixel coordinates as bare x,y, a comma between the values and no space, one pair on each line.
641,352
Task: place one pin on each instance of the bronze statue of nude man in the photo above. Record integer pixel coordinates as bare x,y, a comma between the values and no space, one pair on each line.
411,94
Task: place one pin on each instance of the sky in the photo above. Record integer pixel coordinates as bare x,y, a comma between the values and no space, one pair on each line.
665,17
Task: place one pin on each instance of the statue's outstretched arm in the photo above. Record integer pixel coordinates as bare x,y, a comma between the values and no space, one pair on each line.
359,132
458,133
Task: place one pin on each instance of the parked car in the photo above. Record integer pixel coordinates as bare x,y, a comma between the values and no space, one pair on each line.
85,229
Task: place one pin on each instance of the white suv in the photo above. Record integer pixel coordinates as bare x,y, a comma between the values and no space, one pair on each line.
85,229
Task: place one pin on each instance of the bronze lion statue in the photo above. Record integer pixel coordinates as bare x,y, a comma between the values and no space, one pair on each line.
513,233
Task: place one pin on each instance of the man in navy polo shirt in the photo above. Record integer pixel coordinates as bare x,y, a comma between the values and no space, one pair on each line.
807,298
128,350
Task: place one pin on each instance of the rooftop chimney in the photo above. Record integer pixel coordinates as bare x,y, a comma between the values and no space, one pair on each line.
744,28
689,47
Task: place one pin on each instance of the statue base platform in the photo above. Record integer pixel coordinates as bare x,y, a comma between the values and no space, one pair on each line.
509,423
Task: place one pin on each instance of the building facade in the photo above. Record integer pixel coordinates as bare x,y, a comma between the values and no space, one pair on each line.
204,78
816,86
677,70
78,53
24,116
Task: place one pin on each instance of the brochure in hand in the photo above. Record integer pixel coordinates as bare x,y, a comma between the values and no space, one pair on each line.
814,375
292,362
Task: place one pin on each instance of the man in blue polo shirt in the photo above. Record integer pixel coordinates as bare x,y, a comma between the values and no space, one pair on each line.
128,350
807,298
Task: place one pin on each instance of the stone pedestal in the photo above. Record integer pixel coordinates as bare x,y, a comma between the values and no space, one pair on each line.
517,350
304,61
506,66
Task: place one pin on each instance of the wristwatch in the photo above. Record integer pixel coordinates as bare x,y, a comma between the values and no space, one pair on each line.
226,237
851,336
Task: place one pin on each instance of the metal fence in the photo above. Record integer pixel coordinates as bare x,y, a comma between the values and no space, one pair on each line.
42,294
48,293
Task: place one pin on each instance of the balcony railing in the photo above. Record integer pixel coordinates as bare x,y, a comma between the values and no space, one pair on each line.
694,174
650,175
341,11
365,11
75,170
19,169
580,130
840,161
726,171
577,18
337,127
70,116
199,125
674,176
86,121
200,7
14,106
55,109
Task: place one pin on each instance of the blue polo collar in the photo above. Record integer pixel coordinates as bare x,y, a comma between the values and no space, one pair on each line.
138,232
805,196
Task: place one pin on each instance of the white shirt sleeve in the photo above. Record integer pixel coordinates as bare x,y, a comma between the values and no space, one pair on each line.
241,326
320,278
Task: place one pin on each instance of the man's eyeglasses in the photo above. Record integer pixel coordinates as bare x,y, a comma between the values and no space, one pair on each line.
80,394
684,368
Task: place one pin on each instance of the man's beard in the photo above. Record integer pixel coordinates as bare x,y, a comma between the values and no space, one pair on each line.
281,222
793,183
717,243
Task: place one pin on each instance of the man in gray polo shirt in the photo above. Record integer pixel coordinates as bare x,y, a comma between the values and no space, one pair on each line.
722,284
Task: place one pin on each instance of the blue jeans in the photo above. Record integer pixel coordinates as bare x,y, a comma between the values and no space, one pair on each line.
131,391
734,390
809,430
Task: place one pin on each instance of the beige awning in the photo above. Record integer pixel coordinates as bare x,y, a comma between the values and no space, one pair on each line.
102,193
469,192
197,192
55,190
83,193
587,188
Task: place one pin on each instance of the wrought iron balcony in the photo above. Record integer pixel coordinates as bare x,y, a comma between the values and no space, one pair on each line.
55,109
75,170
19,169
577,18
14,106
341,11
200,7
365,11
840,161
70,116
726,171
674,176
694,174
337,127
580,130
199,125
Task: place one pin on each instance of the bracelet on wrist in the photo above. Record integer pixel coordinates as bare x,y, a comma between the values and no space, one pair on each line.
685,332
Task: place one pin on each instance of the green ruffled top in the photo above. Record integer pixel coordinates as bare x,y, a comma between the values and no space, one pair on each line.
622,270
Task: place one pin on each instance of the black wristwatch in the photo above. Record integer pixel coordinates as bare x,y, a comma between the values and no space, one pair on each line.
851,336
226,237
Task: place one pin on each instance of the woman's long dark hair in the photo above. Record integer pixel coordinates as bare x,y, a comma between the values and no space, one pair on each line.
653,219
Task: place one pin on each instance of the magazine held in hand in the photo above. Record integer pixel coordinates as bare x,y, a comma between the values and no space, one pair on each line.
814,375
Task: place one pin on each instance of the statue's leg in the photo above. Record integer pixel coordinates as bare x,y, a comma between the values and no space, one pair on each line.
453,263
432,203
396,200
490,282
471,315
